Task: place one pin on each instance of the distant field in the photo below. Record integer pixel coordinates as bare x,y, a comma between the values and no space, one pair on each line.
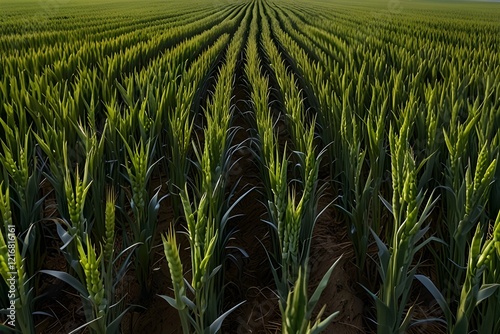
249,166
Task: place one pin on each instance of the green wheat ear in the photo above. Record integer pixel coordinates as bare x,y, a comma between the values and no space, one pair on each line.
174,264
110,226
6,217
76,192
171,250
91,265
496,234
4,268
